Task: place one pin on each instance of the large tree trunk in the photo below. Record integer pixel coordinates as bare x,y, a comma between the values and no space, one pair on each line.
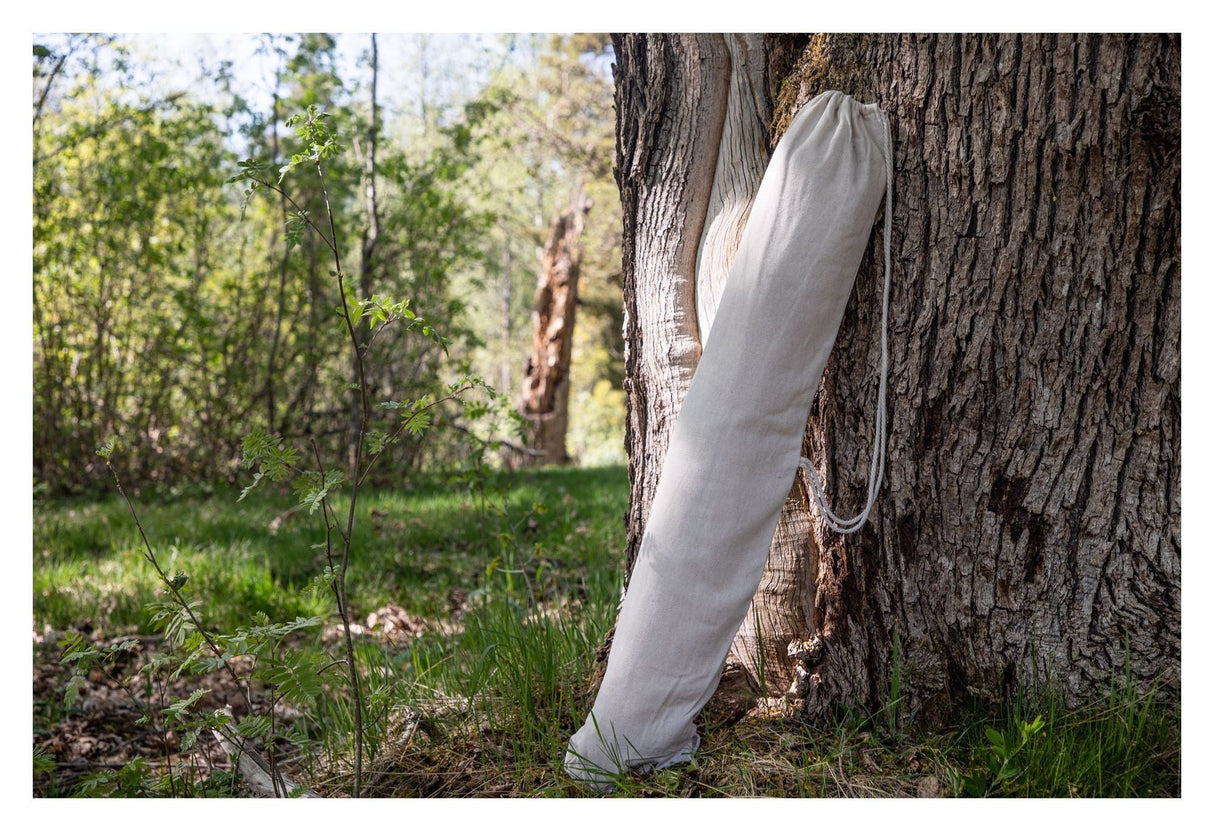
545,400
1029,522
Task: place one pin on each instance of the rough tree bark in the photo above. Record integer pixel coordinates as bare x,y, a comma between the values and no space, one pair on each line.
1028,527
545,400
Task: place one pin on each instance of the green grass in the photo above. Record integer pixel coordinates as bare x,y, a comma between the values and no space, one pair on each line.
414,546
517,592
1126,745
518,581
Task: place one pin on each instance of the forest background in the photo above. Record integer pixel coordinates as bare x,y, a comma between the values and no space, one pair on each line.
169,312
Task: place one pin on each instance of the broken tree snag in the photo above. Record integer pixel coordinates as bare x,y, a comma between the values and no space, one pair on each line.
545,399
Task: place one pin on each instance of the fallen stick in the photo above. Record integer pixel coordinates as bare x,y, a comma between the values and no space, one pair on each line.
257,772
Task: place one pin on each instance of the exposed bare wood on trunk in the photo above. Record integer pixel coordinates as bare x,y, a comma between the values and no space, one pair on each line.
1029,522
546,381
741,158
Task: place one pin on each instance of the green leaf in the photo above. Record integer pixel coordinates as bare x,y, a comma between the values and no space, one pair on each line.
313,489
377,440
1028,730
129,645
975,785
322,583
75,648
253,727
298,677
190,739
72,691
295,226
256,481
417,423
314,499
43,761
279,462
180,708
255,445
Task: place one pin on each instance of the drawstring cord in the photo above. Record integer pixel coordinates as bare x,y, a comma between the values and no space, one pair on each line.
877,469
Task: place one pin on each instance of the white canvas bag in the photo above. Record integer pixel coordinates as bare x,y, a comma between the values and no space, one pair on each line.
735,446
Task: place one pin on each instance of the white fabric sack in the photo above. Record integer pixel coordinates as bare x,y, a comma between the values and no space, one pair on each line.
735,446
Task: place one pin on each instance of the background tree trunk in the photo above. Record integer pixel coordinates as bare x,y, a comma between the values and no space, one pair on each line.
545,399
1028,527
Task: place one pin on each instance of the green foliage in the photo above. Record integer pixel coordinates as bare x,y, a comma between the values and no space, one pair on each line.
313,487
133,779
171,316
174,620
298,677
263,639
296,224
320,141
180,710
894,709
1127,745
275,461
127,199
107,450
1002,763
